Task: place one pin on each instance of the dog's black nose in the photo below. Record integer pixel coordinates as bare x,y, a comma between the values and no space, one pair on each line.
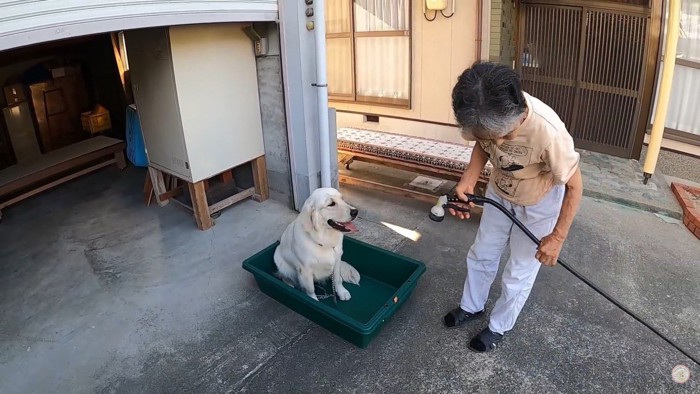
353,213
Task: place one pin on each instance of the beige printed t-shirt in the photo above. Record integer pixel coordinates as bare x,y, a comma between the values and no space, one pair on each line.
540,156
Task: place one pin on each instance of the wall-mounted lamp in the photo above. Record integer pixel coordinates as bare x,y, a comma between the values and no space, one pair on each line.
437,5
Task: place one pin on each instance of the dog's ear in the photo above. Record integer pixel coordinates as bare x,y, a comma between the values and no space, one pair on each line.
316,218
311,218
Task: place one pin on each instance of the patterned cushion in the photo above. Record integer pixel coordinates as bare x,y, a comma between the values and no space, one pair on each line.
424,151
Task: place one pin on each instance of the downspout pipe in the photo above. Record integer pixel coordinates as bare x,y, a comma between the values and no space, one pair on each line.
322,92
479,28
657,129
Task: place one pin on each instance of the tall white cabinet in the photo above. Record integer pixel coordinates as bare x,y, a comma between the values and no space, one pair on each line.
196,92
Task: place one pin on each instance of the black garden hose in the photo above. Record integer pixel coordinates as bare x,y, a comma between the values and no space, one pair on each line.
485,200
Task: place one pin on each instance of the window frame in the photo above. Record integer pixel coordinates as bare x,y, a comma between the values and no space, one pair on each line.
353,97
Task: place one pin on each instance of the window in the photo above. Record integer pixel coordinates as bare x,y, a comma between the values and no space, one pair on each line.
682,122
368,45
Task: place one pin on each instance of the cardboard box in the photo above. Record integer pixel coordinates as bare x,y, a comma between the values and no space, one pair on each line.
60,72
96,120
14,94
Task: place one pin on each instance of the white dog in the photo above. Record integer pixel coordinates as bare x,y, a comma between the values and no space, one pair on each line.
311,247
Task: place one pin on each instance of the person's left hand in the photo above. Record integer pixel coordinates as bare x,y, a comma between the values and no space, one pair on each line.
549,250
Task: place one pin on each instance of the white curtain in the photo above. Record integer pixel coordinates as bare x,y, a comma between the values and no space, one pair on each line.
381,15
683,114
689,37
339,47
382,62
382,48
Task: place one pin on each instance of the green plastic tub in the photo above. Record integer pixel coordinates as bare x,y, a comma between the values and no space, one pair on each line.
387,280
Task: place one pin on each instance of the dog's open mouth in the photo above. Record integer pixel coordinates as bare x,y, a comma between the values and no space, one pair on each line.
347,227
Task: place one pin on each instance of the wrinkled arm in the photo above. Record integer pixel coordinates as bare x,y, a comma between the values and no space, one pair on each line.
469,178
551,245
476,165
569,208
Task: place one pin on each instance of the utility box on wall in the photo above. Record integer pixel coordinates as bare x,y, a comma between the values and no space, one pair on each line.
196,92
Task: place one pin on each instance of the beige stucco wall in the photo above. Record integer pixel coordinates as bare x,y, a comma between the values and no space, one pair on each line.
442,49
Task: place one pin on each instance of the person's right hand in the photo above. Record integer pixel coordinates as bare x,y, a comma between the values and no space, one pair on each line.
461,191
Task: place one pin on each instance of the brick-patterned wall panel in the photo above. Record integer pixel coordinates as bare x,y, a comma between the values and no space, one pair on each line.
503,32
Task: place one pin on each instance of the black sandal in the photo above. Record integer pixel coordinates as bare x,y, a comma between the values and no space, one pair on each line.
485,341
458,316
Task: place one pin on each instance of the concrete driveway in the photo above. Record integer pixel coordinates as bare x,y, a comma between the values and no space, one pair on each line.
99,293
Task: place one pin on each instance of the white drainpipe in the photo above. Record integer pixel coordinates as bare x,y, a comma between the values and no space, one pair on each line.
322,91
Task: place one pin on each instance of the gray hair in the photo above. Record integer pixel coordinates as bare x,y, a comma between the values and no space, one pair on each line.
488,101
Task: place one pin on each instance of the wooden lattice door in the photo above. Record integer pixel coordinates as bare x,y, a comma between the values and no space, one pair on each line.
595,66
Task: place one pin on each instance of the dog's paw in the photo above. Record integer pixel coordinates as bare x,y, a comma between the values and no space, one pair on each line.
343,294
349,274
313,295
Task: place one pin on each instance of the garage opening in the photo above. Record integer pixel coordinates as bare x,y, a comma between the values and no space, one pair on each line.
47,89
190,93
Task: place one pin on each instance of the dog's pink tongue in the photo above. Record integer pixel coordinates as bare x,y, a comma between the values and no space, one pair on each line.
350,226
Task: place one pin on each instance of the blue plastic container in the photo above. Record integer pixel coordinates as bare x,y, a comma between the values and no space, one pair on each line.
135,146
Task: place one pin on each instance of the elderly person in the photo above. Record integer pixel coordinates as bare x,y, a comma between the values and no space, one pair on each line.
535,176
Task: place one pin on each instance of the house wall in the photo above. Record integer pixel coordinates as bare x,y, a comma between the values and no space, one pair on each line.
504,25
274,125
441,50
301,105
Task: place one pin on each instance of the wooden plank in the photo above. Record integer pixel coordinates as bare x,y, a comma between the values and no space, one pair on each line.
345,159
394,190
262,191
227,176
55,183
105,145
231,200
158,185
172,193
53,170
200,205
118,60
148,190
119,159
348,180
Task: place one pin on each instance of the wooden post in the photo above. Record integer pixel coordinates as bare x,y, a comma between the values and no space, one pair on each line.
147,190
227,176
200,206
120,160
262,192
158,185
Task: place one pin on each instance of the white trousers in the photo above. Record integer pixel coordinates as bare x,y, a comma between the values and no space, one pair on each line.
495,232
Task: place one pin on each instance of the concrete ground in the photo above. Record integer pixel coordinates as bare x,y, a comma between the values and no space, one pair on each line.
622,181
678,165
99,293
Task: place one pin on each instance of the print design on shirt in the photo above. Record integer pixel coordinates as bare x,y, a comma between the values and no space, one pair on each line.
507,184
514,157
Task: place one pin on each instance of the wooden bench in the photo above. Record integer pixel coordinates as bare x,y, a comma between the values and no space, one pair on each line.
58,166
424,156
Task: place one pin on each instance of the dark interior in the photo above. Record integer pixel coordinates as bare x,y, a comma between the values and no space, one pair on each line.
57,82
